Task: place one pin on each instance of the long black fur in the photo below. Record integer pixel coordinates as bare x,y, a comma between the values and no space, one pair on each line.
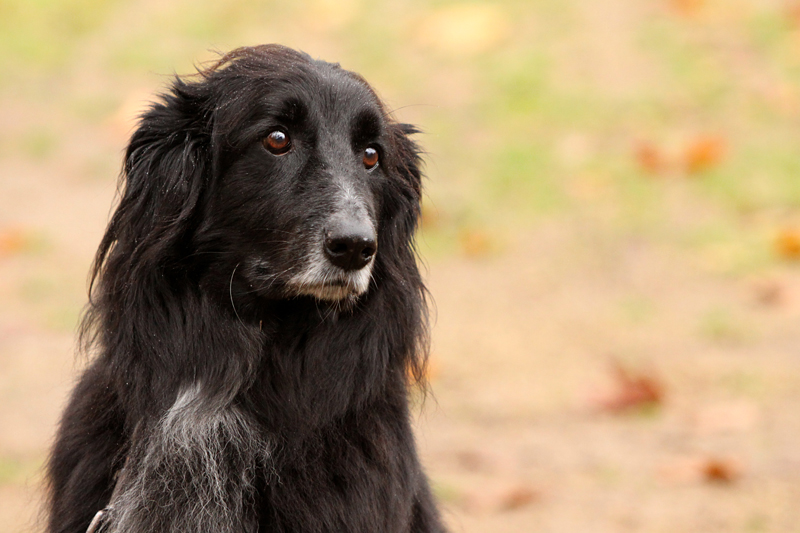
220,397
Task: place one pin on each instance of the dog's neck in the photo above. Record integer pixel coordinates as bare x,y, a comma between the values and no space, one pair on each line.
319,362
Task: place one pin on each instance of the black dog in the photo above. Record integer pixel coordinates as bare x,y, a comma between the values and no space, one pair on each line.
256,313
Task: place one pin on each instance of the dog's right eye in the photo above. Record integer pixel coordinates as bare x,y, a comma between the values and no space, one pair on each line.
277,142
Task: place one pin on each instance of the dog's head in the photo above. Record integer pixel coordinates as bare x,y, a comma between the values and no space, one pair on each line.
277,170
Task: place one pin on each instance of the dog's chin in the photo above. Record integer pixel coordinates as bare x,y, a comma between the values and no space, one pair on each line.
330,293
332,287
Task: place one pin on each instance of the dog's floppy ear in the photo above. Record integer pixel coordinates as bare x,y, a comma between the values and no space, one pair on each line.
407,163
165,173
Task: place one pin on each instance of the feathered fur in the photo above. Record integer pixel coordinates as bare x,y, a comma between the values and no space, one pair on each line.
233,387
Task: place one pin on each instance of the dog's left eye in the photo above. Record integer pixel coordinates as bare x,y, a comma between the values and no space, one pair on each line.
371,158
277,142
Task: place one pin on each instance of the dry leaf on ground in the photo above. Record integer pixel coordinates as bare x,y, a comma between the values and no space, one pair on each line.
650,158
430,371
500,498
793,14
13,241
430,217
702,469
787,243
703,153
473,461
720,470
475,243
769,293
687,8
631,390
518,497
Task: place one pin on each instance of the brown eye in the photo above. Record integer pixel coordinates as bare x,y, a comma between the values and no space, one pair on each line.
277,142
370,158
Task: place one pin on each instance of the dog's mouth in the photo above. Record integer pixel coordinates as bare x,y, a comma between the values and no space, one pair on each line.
327,292
334,288
317,279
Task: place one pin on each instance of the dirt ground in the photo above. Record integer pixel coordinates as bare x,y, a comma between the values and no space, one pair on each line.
526,426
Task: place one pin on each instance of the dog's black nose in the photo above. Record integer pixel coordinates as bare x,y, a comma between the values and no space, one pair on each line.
350,248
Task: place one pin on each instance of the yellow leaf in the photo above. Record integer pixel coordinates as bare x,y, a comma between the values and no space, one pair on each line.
787,243
703,153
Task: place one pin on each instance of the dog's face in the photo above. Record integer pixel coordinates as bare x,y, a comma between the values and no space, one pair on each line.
305,164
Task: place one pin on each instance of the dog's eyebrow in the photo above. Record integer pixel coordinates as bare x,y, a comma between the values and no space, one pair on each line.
292,111
367,126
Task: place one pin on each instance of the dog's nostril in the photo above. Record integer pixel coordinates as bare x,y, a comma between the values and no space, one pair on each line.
338,248
368,252
350,252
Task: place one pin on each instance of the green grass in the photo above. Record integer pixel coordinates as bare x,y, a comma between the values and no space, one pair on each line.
16,470
721,325
44,33
39,143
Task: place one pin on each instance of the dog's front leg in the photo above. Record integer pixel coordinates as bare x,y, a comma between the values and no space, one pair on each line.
193,471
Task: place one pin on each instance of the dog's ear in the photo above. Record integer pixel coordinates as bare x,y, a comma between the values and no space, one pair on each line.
165,172
406,162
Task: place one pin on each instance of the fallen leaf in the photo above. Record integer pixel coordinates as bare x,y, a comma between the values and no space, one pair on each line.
631,390
720,470
793,14
702,469
475,243
687,8
703,153
769,293
429,216
499,497
429,372
517,498
650,158
13,241
472,461
787,243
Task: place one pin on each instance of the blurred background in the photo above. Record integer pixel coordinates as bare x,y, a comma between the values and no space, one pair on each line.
611,233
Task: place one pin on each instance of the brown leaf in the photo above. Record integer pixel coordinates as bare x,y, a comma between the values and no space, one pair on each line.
631,390
429,217
13,241
702,469
495,496
703,153
687,8
429,373
517,498
720,470
787,243
473,461
475,243
650,158
793,14
770,293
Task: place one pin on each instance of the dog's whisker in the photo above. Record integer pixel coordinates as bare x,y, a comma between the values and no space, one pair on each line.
230,292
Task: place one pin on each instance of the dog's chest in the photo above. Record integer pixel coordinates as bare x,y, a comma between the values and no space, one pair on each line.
361,481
